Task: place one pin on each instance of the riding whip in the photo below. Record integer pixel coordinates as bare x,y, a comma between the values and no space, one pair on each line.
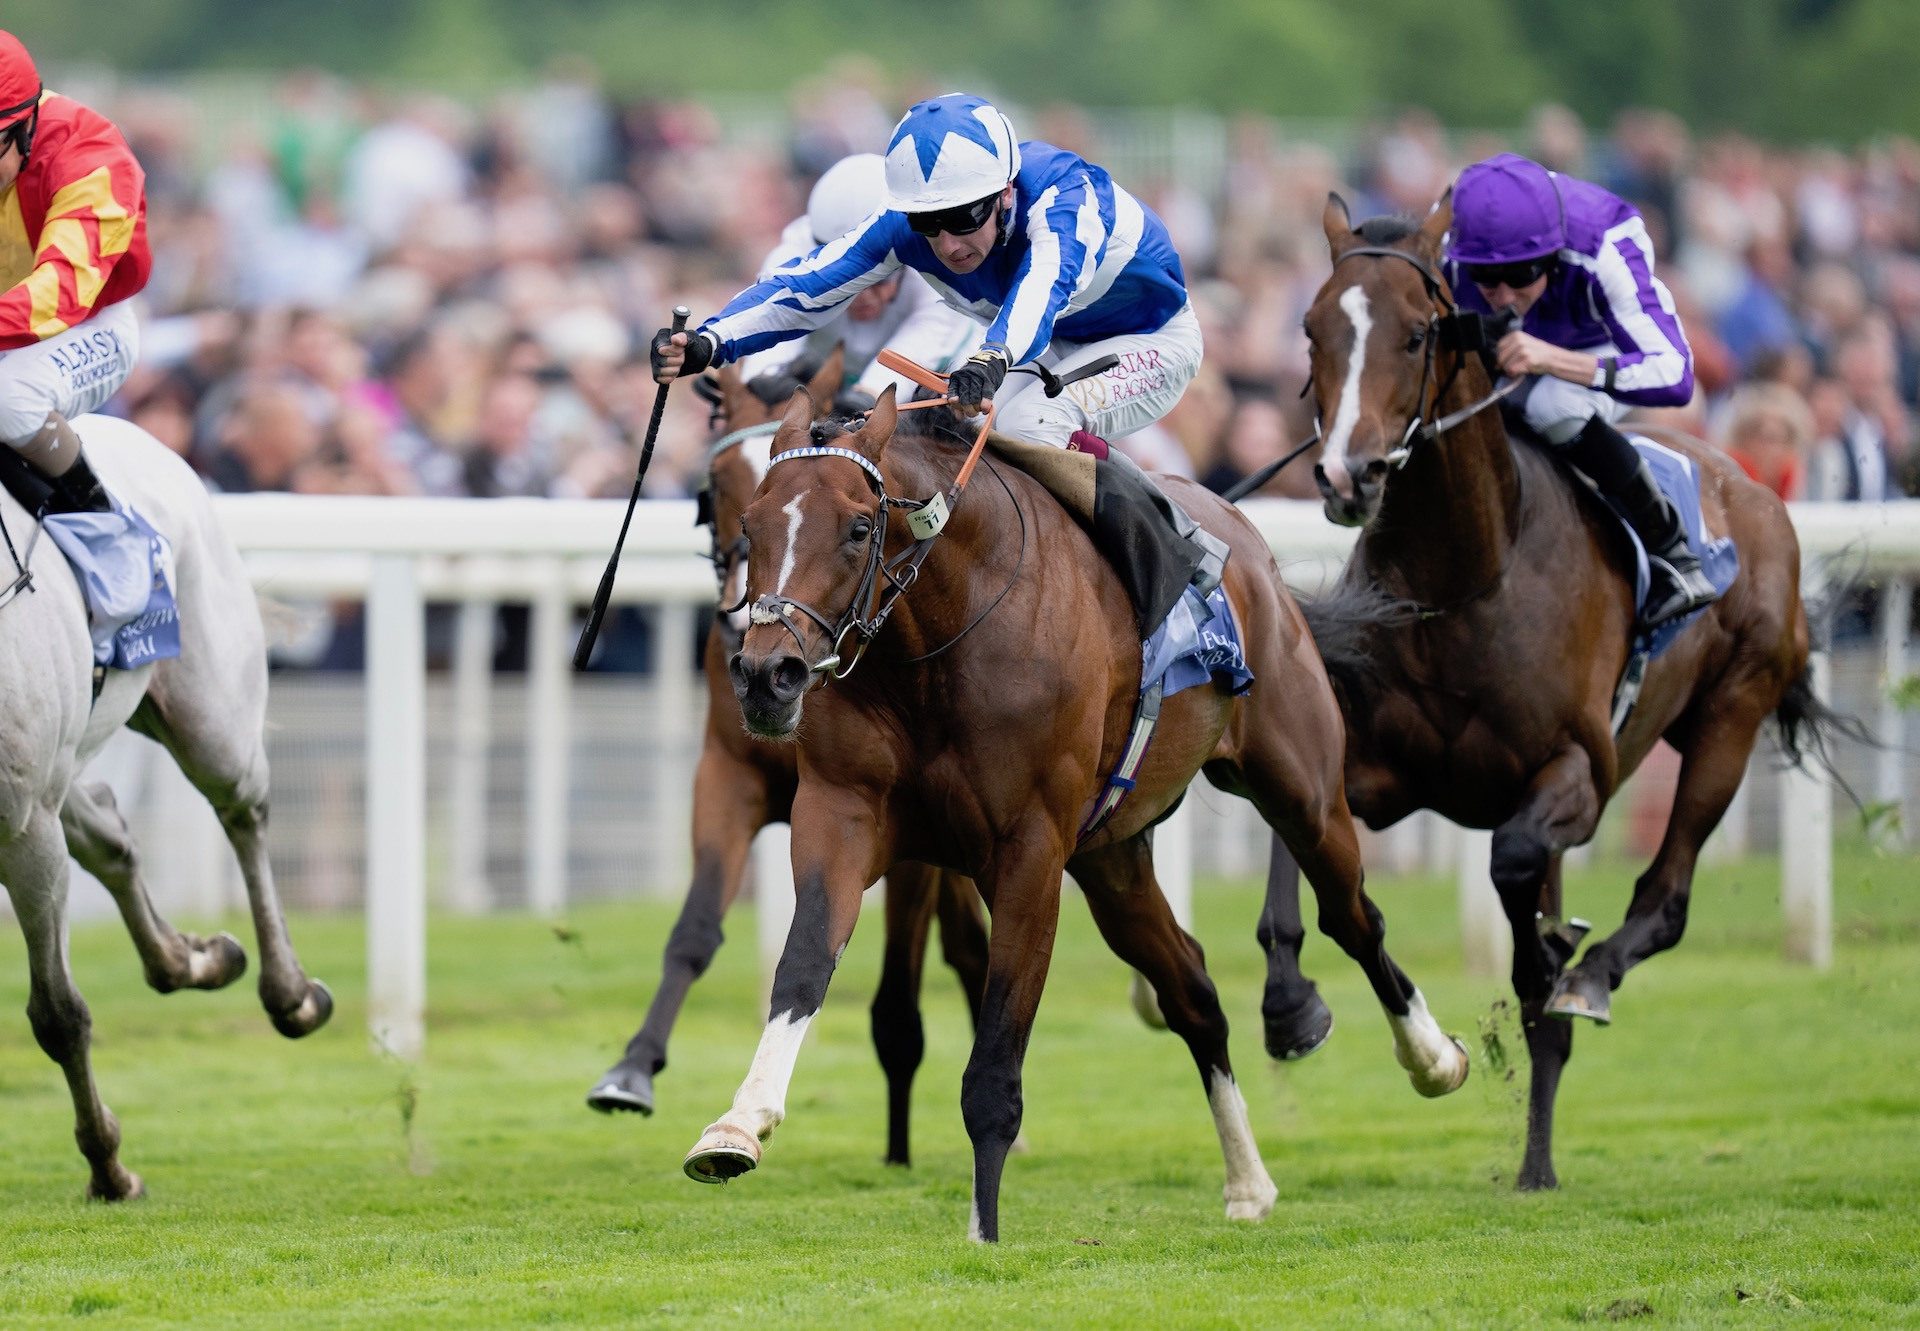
605,593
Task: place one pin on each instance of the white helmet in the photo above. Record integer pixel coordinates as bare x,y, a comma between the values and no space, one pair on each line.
852,190
949,151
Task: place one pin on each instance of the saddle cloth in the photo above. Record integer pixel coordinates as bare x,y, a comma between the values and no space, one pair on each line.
1680,481
124,567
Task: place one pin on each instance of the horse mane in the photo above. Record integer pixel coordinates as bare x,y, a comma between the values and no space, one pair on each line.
1387,230
1343,620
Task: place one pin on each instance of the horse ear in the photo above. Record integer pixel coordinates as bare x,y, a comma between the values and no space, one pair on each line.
822,387
1433,231
878,429
1338,223
796,426
731,385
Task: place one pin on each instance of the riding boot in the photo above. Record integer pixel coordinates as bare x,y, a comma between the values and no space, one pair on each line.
1679,585
55,455
1209,552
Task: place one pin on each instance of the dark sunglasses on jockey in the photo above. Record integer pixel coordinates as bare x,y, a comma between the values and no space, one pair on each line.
963,220
1511,275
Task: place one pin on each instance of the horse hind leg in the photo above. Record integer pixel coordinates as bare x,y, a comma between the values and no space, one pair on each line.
1138,925
34,867
1297,1020
899,1036
98,837
1713,762
229,768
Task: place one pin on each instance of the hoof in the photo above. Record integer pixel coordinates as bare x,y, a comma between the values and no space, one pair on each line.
130,1189
1299,1030
309,1017
1540,1178
725,1152
1445,1078
625,1089
1255,1204
1580,995
1147,1003
216,962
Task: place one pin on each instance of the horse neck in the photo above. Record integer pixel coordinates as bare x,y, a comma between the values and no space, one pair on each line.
1448,520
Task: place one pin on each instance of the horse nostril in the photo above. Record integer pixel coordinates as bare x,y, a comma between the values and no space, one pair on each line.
1374,472
789,677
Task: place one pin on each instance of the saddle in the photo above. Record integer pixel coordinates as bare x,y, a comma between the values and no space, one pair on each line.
1153,545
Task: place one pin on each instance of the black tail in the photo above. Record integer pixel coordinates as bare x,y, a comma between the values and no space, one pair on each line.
1343,621
1808,727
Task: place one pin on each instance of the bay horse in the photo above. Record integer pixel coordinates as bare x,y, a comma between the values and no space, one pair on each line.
1480,628
978,732
742,783
207,707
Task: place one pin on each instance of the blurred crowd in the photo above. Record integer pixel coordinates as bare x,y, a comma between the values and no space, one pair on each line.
383,294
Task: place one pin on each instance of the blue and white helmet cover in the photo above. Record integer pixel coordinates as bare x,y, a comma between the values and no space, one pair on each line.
949,151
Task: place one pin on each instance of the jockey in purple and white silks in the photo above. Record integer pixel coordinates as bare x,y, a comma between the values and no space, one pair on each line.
900,312
1061,265
1598,336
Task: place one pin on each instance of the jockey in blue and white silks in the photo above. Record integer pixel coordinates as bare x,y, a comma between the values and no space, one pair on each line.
1598,335
900,312
1059,263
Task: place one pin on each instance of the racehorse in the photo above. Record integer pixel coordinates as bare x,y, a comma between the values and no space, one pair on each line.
207,707
1482,624
741,784
978,731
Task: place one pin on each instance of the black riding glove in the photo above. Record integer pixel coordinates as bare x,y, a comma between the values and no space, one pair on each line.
973,385
699,352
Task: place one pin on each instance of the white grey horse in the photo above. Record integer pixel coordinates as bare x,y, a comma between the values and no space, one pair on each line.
207,707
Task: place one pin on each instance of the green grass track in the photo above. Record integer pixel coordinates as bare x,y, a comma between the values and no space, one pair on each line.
1741,1148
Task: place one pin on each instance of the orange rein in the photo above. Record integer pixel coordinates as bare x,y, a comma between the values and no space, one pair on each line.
937,382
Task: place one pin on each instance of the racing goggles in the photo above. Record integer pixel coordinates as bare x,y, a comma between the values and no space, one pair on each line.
19,133
963,220
1511,275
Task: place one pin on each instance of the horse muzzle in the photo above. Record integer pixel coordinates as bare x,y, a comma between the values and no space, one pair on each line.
1351,496
769,689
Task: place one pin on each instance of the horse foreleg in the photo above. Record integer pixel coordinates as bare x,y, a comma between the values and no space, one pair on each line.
899,1037
1560,810
1297,1020
837,853
1137,923
729,806
98,837
34,867
1024,884
963,937
1714,757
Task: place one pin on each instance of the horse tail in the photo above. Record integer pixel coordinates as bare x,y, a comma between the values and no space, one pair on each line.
1344,621
1808,727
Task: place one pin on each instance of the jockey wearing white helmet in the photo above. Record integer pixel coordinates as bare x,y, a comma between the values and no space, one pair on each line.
1061,264
901,312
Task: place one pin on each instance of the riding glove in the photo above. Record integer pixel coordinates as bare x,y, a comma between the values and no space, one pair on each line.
699,351
977,380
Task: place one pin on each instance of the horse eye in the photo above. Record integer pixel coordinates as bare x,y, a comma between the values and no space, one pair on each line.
862,528
1415,338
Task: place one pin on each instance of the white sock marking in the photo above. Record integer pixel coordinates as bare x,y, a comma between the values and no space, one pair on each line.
1423,1049
761,1102
792,510
1249,1191
1347,415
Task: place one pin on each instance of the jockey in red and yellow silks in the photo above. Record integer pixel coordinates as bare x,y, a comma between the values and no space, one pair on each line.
73,248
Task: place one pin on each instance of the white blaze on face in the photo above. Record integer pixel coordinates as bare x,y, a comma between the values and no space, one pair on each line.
761,1102
1346,414
792,510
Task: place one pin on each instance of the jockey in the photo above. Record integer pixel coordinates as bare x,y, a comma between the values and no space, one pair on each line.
901,312
1059,263
1598,336
73,248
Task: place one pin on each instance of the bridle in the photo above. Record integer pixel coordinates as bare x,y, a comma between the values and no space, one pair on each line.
726,558
1457,330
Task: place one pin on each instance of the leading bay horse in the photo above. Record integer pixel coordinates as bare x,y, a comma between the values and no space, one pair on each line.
1482,624
742,783
207,707
977,731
